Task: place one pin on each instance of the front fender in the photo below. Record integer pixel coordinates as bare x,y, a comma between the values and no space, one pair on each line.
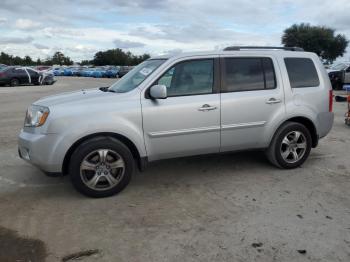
69,129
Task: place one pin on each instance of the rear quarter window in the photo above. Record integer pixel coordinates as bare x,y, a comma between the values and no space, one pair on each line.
301,72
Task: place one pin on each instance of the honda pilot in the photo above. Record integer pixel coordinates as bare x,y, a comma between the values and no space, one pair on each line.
274,99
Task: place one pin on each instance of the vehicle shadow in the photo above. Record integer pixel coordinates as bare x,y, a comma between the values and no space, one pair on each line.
194,168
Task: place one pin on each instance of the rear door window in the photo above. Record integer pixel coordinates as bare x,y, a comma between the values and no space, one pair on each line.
248,74
301,72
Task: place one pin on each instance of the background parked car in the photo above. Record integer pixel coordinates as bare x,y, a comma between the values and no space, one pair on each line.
124,70
58,71
48,78
43,68
112,71
15,76
339,75
68,71
99,72
88,72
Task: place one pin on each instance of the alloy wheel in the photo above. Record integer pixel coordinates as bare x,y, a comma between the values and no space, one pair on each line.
102,169
293,146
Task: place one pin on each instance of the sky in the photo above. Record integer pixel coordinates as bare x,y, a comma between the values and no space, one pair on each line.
80,28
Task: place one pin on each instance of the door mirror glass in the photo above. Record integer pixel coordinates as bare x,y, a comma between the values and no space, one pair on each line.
348,69
158,92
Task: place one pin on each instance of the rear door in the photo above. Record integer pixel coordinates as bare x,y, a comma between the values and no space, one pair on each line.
34,76
251,97
21,75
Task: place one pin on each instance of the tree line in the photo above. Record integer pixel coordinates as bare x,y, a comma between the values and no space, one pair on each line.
57,59
109,57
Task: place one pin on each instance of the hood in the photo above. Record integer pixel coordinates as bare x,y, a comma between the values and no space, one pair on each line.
81,96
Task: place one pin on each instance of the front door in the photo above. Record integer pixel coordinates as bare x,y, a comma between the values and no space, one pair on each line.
250,99
187,122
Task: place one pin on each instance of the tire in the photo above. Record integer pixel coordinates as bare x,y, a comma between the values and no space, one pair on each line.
14,82
97,177
286,152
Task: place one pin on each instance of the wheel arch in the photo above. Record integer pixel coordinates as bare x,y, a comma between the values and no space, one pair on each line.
309,124
132,147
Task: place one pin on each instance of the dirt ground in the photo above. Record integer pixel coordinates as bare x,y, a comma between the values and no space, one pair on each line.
232,207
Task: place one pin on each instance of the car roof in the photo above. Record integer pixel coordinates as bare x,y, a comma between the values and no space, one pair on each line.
250,52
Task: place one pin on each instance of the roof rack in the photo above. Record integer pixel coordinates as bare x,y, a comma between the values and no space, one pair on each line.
238,48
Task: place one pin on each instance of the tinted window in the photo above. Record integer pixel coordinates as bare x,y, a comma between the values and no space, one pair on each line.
18,71
32,72
270,80
246,74
301,72
189,78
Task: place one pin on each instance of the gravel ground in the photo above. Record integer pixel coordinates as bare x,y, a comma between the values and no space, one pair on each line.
231,207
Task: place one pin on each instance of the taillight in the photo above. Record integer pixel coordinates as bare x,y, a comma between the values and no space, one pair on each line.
330,100
2,74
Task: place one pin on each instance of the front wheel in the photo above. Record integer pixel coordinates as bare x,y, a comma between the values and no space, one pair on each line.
14,82
290,146
101,167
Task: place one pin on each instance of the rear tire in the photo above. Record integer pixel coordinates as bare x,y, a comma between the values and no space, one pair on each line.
101,167
14,82
290,146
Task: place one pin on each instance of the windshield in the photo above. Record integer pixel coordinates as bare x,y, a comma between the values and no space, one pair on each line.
339,67
136,76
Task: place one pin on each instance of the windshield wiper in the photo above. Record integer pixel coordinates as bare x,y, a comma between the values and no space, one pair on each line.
106,89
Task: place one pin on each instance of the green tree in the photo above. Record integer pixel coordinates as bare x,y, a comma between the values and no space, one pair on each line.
60,59
85,62
318,39
117,57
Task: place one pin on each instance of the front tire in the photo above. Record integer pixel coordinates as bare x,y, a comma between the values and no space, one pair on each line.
101,167
14,82
290,146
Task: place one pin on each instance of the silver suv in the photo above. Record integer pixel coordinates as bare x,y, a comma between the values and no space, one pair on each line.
189,104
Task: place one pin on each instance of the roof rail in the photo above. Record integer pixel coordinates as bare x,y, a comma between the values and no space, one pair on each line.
238,48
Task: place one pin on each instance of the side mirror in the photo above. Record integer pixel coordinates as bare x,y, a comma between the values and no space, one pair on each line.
158,92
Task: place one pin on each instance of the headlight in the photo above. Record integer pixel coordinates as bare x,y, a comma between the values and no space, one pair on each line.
36,116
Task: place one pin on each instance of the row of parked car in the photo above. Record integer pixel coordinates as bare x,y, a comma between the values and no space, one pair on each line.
46,75
97,72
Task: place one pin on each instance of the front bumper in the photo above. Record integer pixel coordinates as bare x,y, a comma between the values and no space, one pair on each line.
39,150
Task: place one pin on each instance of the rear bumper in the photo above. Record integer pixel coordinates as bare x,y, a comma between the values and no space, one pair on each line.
37,149
325,123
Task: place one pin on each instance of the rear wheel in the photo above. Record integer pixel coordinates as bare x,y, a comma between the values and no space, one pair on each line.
101,167
14,82
290,146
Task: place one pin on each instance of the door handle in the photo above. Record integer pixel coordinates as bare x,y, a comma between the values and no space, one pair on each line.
207,107
273,100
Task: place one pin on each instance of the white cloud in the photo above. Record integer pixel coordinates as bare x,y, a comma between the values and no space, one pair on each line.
127,44
3,20
40,46
16,40
26,24
79,28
